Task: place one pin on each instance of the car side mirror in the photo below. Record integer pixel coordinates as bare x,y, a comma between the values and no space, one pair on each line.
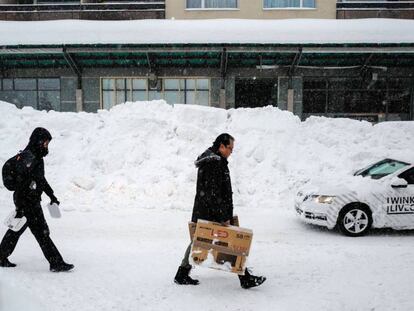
399,183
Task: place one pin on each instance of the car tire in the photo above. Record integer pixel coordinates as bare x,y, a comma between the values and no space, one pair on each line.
355,220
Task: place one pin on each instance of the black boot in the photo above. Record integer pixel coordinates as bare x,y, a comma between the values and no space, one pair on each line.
248,281
182,277
61,267
5,263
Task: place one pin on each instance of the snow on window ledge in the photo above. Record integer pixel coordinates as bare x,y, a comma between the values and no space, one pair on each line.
289,8
213,9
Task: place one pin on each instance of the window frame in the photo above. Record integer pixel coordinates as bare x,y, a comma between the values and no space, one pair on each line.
36,90
396,85
300,7
129,80
203,7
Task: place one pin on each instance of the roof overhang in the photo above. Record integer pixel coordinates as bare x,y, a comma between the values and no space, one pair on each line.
209,55
207,43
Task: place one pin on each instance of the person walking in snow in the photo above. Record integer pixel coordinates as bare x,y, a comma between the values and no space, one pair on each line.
30,183
214,202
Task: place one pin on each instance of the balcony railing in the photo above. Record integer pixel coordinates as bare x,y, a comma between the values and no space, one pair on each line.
34,2
375,5
63,5
348,9
83,9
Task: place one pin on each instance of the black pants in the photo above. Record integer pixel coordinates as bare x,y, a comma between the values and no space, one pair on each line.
186,260
37,224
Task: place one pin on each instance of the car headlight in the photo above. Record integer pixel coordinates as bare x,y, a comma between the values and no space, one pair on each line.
324,199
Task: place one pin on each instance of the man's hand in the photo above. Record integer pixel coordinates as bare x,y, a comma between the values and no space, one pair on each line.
54,200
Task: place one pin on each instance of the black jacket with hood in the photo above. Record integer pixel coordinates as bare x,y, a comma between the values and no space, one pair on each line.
31,181
214,197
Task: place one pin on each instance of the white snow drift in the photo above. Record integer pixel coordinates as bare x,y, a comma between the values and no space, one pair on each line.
216,31
143,152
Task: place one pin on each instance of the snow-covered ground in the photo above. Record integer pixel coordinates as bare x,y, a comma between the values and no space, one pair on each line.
126,181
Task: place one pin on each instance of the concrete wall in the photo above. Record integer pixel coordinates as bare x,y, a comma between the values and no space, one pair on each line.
293,86
252,9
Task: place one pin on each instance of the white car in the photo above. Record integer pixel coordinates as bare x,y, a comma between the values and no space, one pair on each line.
378,196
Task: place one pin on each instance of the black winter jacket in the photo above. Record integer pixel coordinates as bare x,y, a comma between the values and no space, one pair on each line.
214,197
31,181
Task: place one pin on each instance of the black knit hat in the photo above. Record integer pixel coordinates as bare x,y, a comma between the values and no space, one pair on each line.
37,139
39,136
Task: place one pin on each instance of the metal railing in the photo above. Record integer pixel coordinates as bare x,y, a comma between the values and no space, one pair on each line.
83,5
374,5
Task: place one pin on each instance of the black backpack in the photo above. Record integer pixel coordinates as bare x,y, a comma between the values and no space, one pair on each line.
9,173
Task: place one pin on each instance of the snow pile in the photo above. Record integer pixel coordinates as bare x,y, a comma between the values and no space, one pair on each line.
140,155
285,31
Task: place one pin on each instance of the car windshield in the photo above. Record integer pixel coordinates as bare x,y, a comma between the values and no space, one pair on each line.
382,168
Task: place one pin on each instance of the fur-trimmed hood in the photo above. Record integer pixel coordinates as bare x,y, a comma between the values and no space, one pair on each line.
207,156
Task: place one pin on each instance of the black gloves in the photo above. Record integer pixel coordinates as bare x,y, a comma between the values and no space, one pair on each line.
53,200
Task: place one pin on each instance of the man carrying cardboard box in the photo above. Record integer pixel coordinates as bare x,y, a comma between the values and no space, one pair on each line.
214,202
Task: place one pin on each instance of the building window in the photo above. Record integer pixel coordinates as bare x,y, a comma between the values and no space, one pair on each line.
356,96
108,93
57,2
173,90
7,84
276,4
41,94
195,92
212,4
139,89
49,94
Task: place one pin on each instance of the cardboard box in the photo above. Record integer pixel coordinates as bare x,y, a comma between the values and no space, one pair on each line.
221,247
192,225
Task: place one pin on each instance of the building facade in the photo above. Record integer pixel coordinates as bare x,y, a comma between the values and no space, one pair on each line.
308,76
250,9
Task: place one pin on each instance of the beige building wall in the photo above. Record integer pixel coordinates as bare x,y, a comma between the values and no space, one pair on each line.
251,9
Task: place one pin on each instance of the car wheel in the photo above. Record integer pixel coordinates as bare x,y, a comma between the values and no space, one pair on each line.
355,220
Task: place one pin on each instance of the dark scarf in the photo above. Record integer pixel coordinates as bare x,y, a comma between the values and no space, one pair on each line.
37,139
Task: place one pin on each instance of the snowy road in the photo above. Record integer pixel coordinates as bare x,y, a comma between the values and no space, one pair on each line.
126,261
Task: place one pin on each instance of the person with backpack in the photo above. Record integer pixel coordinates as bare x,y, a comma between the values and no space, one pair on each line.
214,202
25,175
